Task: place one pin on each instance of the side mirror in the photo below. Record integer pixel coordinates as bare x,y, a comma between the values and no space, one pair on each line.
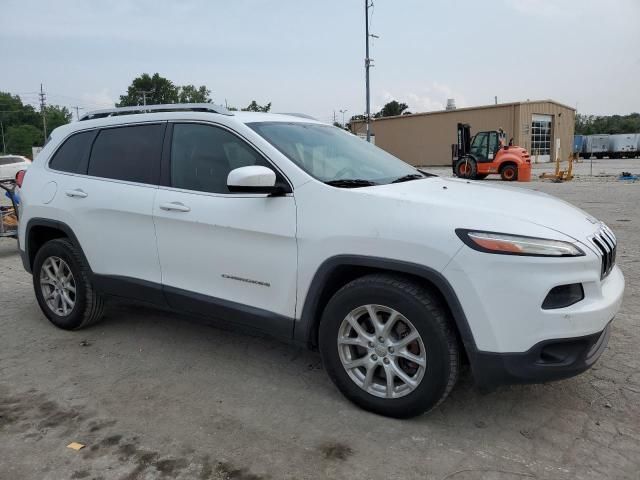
253,179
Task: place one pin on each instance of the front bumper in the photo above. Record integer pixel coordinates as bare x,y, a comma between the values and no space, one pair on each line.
546,361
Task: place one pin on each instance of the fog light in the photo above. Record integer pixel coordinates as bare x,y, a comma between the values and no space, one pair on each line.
563,296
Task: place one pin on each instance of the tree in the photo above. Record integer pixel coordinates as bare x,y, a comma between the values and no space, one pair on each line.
191,94
155,90
254,107
22,124
392,109
152,90
56,116
21,138
590,124
14,112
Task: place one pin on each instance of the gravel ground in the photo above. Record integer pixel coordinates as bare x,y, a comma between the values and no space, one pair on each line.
158,395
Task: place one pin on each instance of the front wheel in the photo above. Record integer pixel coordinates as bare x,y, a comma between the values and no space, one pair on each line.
388,345
466,168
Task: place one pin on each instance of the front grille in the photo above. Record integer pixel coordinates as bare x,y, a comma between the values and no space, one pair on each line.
605,242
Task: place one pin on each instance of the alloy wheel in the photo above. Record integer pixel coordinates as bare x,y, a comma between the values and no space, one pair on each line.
58,286
381,351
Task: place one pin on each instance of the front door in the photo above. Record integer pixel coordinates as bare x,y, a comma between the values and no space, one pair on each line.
231,256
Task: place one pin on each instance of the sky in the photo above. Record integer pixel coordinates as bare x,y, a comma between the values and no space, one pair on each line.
308,56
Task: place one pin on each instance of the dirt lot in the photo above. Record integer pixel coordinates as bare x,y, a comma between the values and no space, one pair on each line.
157,395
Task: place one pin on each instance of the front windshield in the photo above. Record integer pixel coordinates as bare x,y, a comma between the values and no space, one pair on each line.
333,155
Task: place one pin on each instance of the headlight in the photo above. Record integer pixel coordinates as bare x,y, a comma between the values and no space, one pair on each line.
505,244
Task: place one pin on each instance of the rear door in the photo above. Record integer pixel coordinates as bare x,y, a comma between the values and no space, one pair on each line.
224,253
106,197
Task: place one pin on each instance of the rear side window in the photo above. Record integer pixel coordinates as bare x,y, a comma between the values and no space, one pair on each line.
128,153
73,155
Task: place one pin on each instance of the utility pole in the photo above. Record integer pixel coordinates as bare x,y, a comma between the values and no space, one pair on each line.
77,111
367,64
144,96
4,146
43,105
334,116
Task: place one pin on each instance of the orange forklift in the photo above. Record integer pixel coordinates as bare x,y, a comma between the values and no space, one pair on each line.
488,153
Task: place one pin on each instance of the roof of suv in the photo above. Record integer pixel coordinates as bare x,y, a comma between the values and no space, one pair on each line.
193,111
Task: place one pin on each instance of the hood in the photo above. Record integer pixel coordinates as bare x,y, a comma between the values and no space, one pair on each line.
475,203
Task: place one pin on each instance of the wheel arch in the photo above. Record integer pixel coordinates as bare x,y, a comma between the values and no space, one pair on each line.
337,271
41,230
508,161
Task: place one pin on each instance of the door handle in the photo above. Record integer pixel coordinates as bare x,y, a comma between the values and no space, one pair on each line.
174,207
78,193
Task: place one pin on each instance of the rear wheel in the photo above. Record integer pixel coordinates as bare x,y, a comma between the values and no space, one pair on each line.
387,344
62,286
509,173
466,168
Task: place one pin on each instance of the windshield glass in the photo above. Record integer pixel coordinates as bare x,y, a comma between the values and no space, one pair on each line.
331,154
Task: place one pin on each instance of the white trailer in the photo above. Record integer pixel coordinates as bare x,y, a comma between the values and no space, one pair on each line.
623,145
596,145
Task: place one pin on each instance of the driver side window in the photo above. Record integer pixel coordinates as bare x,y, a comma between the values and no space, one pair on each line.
203,155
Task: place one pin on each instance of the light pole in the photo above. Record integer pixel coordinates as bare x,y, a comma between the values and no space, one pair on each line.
343,112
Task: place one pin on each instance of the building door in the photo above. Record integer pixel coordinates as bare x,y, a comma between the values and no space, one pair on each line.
541,137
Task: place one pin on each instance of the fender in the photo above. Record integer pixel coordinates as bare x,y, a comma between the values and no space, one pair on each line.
306,326
45,222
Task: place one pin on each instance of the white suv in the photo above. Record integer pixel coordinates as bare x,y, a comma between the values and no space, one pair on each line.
311,234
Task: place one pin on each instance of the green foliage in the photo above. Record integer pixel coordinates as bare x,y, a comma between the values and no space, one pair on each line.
22,124
392,109
21,138
160,90
155,89
193,94
590,124
254,107
57,116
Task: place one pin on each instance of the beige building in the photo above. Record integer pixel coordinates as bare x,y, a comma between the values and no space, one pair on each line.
542,127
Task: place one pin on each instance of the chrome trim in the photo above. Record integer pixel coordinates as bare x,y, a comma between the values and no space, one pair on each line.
606,245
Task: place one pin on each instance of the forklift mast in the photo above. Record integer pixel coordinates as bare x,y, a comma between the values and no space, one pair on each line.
462,148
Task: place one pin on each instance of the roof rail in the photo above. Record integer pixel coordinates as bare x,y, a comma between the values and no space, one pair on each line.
301,115
171,107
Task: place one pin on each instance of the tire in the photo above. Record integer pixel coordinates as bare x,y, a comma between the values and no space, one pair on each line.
435,346
509,173
87,305
466,168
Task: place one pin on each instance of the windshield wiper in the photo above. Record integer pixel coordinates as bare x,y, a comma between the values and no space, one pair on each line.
351,183
406,178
